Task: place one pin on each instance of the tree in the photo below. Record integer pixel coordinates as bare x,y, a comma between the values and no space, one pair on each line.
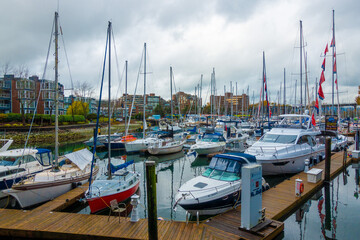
357,100
78,108
158,110
83,93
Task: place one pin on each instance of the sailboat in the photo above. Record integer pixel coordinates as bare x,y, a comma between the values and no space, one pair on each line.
141,144
69,171
169,145
118,183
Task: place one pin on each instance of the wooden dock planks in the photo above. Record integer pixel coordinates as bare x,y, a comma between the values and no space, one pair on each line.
46,222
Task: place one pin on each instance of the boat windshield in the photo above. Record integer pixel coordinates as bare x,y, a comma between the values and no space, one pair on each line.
224,169
212,138
15,160
275,138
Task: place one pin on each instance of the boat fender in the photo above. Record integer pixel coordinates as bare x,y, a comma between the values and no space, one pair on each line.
301,187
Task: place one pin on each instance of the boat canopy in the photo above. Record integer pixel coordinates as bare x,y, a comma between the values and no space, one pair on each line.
121,166
80,158
237,156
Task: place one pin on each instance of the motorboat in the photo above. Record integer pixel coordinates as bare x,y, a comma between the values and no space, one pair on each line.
73,170
17,164
166,146
284,149
339,142
209,143
236,140
218,189
119,143
101,139
140,144
121,186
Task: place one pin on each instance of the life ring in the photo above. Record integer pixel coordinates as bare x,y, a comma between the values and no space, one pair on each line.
301,187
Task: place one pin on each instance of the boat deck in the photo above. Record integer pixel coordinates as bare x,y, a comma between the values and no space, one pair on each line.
47,222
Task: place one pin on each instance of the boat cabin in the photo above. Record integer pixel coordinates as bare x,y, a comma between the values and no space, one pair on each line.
227,167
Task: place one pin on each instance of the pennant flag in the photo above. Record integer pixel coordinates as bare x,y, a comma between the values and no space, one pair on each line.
313,122
317,105
269,112
321,93
336,84
326,49
332,43
322,77
334,67
323,64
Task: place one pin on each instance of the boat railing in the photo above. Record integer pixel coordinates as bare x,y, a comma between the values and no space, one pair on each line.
277,150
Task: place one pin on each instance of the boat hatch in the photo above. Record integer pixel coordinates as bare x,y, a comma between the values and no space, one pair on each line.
200,185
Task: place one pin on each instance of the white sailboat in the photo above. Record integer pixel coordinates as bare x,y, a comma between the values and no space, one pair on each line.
69,171
169,145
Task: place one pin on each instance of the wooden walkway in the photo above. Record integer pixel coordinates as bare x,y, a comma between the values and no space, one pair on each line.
47,222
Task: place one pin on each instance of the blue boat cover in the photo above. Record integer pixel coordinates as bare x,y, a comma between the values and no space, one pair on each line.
43,150
237,156
114,168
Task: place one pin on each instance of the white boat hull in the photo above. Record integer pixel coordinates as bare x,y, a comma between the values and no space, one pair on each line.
161,150
208,149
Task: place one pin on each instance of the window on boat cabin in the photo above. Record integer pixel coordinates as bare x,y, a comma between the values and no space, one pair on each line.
27,159
44,158
304,139
224,169
275,138
311,141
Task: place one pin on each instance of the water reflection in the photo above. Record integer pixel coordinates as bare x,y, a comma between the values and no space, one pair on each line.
332,213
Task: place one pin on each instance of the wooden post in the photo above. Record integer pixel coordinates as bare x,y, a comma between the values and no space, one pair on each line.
151,199
327,158
344,156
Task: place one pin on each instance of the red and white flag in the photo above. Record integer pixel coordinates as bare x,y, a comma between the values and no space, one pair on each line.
313,122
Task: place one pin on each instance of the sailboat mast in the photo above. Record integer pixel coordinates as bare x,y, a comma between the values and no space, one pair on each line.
284,93
200,94
126,69
56,91
301,103
333,57
109,105
144,122
171,101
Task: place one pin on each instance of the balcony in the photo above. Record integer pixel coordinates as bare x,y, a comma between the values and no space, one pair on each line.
4,105
5,96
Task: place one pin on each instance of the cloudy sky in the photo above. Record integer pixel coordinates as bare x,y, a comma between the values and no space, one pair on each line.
191,36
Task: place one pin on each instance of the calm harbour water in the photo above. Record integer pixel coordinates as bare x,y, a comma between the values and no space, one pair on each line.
336,216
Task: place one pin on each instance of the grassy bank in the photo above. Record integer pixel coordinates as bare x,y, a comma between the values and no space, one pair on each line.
47,138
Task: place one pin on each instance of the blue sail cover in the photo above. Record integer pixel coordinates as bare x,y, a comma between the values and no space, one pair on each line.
114,168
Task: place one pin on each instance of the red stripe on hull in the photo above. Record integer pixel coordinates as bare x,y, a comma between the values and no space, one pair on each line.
100,203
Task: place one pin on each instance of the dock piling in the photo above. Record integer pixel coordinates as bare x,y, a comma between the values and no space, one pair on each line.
327,158
151,199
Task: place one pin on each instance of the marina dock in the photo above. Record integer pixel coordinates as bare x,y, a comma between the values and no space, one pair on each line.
46,222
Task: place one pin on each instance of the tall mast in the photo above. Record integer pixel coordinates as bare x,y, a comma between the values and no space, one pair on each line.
232,95
200,94
301,103
109,105
295,97
265,84
195,100
333,53
237,102
284,93
126,69
56,92
171,101
144,108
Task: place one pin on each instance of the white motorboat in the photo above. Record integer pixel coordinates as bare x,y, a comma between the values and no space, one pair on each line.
284,149
17,164
339,142
166,146
218,189
74,170
209,143
140,144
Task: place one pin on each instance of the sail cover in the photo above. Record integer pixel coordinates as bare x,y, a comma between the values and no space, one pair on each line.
81,158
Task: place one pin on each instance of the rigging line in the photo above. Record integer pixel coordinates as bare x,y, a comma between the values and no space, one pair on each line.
118,72
133,100
67,60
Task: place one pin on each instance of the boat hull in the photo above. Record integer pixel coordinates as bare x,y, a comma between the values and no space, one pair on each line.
288,165
99,203
209,150
115,145
165,150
